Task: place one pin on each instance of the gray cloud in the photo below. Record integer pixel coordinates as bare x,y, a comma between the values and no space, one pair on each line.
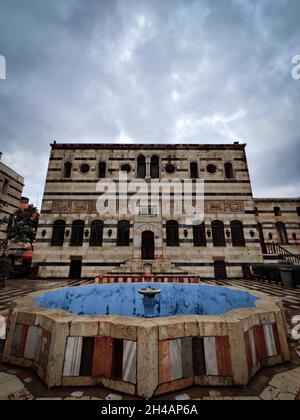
152,71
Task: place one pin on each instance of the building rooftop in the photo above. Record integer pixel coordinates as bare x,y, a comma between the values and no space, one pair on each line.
139,146
273,199
6,170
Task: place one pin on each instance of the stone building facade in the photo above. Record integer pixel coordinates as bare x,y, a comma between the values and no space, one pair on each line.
11,188
279,222
73,240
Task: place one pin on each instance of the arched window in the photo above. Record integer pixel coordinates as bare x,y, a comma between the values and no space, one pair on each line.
154,167
77,233
237,233
194,170
141,167
281,233
199,235
123,234
218,235
172,228
67,169
96,237
58,233
148,245
277,211
228,170
101,170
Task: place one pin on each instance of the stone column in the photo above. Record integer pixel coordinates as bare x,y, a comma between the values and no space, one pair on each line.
238,352
148,164
55,366
147,359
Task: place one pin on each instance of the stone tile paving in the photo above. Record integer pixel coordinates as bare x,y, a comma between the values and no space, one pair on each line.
285,386
278,383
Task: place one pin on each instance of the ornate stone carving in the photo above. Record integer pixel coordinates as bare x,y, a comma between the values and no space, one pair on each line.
222,206
74,206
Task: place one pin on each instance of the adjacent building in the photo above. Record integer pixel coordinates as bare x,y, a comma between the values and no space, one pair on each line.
74,240
11,188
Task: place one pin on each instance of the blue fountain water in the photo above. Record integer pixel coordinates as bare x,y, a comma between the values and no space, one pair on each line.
124,300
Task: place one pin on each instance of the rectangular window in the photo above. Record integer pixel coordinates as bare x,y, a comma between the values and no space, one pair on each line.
5,186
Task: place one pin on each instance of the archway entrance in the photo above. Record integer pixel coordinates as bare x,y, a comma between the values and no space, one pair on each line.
148,245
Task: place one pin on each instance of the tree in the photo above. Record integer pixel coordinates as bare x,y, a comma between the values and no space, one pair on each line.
21,226
3,242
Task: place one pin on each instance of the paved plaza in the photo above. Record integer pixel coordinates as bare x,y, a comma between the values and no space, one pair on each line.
276,383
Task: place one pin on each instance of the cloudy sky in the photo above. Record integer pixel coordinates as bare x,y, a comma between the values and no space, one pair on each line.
178,71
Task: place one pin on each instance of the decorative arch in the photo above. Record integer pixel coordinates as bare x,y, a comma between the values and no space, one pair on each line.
138,230
148,245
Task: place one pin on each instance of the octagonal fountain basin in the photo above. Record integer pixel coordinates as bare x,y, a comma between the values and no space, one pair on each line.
105,335
129,299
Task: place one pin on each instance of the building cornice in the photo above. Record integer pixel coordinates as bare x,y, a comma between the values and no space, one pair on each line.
141,146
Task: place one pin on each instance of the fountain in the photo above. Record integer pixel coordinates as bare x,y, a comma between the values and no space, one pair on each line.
149,302
114,336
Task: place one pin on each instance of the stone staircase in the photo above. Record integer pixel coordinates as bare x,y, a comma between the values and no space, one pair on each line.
275,253
157,267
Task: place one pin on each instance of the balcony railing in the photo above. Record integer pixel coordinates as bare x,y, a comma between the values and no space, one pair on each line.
275,249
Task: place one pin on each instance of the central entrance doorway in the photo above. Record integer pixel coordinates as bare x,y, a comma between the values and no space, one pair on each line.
148,245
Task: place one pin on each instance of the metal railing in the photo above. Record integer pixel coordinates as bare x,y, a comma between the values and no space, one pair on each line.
275,249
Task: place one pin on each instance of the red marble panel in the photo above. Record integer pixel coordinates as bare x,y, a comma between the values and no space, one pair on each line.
22,342
223,356
164,362
260,342
102,360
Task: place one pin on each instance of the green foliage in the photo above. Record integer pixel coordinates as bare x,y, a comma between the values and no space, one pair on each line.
22,225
